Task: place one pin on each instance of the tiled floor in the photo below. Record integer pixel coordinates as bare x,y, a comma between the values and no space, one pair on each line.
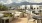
20,20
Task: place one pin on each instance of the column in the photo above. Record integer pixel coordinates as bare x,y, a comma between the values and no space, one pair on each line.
38,21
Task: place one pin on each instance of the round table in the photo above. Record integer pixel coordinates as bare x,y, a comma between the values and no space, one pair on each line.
38,18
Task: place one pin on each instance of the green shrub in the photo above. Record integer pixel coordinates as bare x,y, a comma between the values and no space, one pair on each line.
8,15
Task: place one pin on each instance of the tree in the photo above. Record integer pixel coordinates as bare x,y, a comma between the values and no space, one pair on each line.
0,6
10,6
3,7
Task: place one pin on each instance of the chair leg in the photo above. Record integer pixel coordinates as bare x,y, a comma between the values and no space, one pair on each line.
1,21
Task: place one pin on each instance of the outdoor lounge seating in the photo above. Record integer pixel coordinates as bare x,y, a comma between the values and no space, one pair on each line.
0,20
17,14
31,21
1,15
4,19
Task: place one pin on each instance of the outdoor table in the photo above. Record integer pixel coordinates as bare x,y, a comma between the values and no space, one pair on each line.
1,15
4,18
38,18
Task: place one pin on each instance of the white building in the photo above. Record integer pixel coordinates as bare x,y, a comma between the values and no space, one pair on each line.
40,7
28,6
35,6
22,7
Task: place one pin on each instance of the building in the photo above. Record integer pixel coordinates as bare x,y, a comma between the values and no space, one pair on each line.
40,7
28,6
22,7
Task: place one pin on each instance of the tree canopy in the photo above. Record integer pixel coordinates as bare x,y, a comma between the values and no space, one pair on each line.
3,7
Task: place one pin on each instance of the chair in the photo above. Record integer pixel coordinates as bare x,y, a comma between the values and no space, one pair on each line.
31,21
0,19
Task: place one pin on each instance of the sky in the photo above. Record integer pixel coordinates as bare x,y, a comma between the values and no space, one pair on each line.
18,1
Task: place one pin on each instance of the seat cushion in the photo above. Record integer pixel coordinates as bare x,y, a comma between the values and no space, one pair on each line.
31,19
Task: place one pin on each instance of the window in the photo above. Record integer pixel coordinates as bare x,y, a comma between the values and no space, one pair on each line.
34,8
31,7
37,8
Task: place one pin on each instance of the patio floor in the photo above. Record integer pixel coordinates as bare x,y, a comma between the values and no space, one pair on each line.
20,20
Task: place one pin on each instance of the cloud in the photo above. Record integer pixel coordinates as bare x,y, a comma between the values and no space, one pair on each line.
6,1
26,0
9,1
38,0
35,1
2,2
18,1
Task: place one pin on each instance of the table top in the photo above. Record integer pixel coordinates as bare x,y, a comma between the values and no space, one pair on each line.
5,18
37,17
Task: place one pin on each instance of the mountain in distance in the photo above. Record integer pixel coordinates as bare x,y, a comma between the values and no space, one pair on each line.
23,3
12,4
29,3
